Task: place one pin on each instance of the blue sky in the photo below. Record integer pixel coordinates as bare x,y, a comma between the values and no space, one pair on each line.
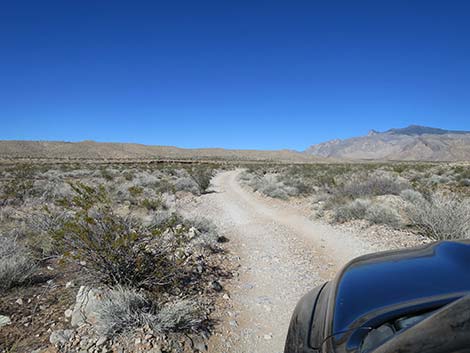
236,74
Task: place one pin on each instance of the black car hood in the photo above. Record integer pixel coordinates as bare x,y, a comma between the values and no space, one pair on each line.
378,281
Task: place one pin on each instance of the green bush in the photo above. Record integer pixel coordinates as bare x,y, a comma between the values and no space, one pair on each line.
202,175
114,249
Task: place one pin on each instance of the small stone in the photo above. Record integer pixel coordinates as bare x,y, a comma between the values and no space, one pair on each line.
68,313
60,337
19,301
137,341
216,286
268,336
50,268
4,320
102,340
198,344
226,296
69,284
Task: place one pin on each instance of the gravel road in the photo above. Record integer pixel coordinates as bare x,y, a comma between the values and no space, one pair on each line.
281,255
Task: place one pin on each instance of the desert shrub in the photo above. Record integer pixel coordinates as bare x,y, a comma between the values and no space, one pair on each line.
382,214
16,264
269,185
107,174
51,190
40,225
464,182
202,232
438,179
135,191
162,219
128,175
153,204
372,185
441,217
186,183
145,179
202,176
16,190
123,310
164,186
412,196
355,209
367,210
115,249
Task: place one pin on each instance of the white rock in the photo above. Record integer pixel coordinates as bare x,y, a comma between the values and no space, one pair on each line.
102,340
4,320
85,306
68,313
69,284
19,301
60,337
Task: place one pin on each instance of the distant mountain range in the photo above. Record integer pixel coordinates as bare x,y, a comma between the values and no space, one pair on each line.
412,143
119,151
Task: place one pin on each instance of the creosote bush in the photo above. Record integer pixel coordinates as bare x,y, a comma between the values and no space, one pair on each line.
202,176
114,249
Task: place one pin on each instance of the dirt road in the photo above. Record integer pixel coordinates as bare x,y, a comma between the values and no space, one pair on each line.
282,255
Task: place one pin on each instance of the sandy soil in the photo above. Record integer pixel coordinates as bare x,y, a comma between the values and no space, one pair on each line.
281,255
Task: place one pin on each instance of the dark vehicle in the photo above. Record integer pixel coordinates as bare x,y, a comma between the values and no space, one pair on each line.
406,301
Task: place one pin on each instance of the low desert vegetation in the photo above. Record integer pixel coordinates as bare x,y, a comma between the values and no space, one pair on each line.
429,198
125,309
116,229
16,264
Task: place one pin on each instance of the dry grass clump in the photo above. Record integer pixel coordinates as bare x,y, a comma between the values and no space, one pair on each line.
123,310
16,264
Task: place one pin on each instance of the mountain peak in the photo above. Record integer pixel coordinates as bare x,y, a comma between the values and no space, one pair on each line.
414,143
421,130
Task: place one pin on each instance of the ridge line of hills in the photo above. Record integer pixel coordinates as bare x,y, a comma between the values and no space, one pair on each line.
412,143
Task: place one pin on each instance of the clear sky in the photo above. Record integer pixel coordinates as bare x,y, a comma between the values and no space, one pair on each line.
238,74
